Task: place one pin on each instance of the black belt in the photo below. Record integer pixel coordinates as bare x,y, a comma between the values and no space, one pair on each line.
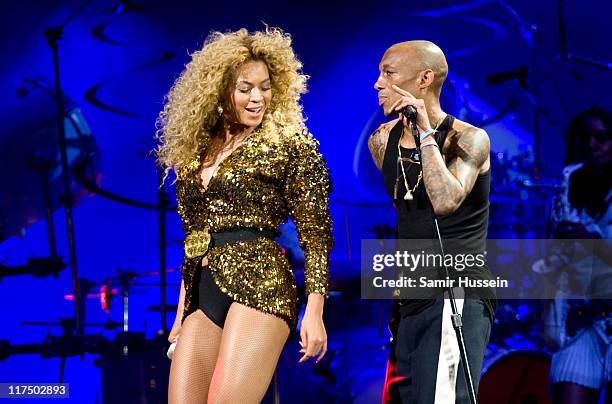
231,236
198,242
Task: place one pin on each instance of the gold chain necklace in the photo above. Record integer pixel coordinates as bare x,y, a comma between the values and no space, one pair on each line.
409,192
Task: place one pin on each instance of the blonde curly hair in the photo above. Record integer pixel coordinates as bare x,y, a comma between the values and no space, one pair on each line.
190,118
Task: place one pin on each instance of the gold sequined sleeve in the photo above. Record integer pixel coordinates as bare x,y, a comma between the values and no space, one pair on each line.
306,192
189,266
180,190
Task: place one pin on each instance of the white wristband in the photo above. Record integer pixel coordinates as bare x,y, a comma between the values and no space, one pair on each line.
427,133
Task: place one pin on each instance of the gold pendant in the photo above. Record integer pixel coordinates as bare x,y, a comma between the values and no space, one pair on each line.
408,196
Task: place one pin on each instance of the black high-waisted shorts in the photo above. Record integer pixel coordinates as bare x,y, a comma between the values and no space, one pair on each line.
211,300
214,303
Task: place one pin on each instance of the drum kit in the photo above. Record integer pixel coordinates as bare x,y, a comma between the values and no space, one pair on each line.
517,361
520,198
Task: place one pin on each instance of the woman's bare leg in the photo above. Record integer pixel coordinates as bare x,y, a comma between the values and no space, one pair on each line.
194,360
250,347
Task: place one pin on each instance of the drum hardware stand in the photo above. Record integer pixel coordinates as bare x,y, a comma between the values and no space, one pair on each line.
53,36
163,204
125,277
162,207
530,33
68,344
37,267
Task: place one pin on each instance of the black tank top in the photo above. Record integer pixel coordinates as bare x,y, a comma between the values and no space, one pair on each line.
415,217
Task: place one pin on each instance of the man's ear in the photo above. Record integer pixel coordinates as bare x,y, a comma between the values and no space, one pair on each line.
427,78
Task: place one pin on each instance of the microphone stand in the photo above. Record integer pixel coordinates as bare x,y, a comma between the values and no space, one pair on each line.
456,319
532,34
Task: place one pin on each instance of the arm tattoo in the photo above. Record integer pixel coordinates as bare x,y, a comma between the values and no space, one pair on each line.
377,143
449,182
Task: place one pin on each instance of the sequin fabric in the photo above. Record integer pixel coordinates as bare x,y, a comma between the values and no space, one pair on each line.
260,185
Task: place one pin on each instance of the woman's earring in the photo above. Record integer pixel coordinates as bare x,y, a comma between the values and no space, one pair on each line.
219,110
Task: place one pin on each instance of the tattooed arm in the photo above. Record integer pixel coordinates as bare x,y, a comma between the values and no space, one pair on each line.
377,143
449,182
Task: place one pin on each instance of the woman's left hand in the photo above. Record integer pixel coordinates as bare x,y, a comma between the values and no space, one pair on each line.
312,331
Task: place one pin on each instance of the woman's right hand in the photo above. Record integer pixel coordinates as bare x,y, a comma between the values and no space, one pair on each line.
176,327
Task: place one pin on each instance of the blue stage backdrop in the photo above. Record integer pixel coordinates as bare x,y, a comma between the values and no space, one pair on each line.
117,61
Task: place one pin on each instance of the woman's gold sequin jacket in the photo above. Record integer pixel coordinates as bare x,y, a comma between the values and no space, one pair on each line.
258,186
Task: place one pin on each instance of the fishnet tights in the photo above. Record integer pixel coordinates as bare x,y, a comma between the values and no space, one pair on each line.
194,358
230,365
250,347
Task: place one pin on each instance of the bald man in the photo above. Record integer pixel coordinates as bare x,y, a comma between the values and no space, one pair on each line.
449,177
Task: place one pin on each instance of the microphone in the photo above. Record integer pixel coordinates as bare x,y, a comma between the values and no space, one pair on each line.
170,353
409,112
